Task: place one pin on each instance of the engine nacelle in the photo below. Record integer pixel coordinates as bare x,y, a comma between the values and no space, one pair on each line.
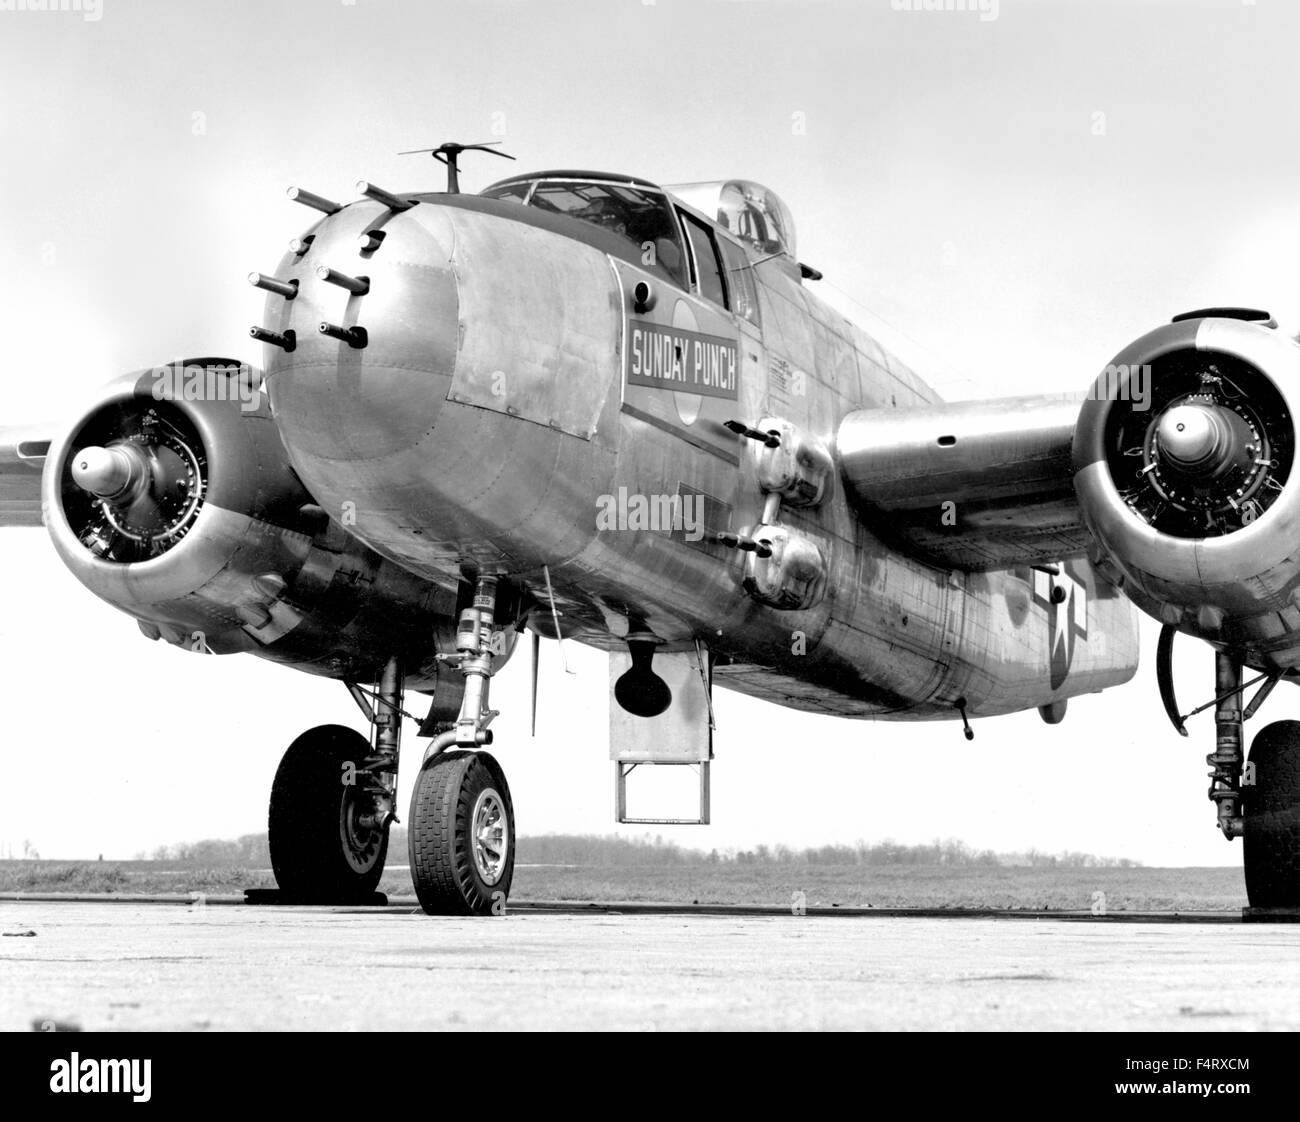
172,498
1184,456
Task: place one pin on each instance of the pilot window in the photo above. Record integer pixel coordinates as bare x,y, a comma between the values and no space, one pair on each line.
740,280
708,266
515,192
642,217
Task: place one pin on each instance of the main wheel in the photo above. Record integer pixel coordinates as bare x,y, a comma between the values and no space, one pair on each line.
320,851
1271,818
462,835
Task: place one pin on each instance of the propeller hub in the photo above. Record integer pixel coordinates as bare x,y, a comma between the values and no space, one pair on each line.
1194,438
106,472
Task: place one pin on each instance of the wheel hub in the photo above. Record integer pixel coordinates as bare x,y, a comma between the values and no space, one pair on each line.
361,843
489,836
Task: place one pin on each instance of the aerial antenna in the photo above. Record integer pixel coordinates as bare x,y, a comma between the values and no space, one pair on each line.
448,153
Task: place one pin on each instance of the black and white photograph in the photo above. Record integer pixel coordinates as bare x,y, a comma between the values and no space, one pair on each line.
650,516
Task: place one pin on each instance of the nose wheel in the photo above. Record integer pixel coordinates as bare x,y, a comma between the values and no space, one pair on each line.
462,826
462,835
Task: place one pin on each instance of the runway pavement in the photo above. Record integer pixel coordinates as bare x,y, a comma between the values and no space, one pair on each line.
204,967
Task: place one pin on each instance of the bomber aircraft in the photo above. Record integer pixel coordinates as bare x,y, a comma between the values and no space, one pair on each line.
592,408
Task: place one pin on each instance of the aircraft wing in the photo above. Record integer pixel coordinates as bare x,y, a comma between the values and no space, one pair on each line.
1175,473
22,459
973,485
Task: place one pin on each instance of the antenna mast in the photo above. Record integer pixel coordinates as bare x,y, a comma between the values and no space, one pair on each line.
448,154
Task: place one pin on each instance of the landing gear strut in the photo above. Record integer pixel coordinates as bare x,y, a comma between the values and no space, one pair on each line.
1257,800
334,796
1227,758
462,830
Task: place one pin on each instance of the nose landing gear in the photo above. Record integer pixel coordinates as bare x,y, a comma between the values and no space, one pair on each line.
462,831
334,796
462,835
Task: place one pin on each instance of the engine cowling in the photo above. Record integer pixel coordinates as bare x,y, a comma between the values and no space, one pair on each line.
172,498
1184,462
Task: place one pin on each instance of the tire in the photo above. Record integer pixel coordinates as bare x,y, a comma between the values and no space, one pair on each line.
319,853
451,875
1271,818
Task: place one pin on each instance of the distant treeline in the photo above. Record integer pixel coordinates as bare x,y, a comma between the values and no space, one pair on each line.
251,851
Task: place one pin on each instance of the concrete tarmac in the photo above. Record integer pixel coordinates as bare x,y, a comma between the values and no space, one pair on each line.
128,966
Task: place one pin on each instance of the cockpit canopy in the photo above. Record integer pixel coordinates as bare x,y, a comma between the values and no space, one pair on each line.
629,208
642,213
749,210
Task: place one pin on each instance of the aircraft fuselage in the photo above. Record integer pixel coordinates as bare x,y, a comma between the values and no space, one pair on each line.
518,409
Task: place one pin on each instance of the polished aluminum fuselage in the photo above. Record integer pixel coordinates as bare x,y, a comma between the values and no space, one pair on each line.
491,410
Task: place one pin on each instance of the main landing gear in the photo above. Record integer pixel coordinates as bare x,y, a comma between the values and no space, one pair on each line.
1256,798
1271,818
333,800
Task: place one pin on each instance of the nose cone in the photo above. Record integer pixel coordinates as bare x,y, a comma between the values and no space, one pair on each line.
436,437
102,471
1192,437
379,394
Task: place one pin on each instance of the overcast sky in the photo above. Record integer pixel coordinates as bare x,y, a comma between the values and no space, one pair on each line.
1015,198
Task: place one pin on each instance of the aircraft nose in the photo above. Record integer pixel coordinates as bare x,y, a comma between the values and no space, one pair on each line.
371,307
477,369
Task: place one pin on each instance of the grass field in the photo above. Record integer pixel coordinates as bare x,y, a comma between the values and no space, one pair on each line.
775,884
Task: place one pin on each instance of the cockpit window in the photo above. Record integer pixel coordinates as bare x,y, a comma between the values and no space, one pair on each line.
515,192
754,218
740,280
644,218
708,265
747,209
